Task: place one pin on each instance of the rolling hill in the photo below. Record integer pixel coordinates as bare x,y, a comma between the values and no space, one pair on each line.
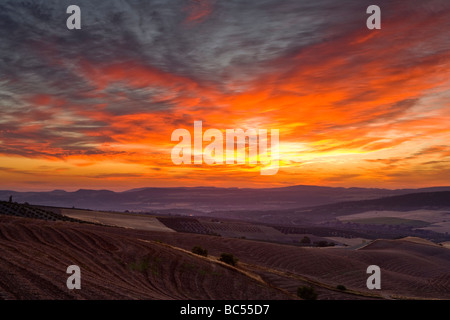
436,200
124,263
114,265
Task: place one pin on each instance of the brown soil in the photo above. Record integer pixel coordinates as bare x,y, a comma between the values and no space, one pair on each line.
35,255
408,269
119,263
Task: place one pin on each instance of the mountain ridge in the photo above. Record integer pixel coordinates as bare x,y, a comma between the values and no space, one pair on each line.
206,199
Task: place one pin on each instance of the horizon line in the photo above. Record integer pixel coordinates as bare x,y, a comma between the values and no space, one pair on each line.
212,187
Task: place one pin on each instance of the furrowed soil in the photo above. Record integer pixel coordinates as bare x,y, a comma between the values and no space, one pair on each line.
114,265
120,263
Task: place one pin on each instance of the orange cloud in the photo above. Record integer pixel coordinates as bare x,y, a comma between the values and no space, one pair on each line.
356,110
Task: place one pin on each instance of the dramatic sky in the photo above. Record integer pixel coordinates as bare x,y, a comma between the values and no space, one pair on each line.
96,107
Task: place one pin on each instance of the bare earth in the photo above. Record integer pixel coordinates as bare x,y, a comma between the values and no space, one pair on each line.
36,254
133,221
120,263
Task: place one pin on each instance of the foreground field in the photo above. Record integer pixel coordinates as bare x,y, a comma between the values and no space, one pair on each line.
35,255
411,268
121,263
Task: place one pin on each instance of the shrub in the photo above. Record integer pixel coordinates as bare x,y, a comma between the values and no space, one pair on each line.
229,259
200,251
341,287
321,243
307,293
305,240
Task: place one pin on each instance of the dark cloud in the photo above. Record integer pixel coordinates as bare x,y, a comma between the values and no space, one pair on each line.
341,177
442,150
12,170
116,175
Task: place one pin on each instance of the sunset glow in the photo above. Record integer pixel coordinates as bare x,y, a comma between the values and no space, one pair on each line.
95,108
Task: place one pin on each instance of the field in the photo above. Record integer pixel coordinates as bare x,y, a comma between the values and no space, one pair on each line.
125,220
123,263
115,265
392,221
410,269
434,220
226,228
131,256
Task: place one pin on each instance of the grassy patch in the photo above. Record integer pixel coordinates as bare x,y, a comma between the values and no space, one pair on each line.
144,264
141,265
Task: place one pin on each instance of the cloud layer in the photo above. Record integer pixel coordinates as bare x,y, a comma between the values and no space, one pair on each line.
96,106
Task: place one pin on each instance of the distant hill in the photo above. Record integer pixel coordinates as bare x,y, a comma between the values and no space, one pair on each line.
437,200
406,202
206,199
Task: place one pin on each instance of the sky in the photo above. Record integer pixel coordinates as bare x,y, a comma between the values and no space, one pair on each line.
95,108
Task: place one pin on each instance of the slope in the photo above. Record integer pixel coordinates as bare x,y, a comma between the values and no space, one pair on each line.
36,254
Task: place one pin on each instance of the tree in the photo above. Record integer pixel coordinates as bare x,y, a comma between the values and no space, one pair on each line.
307,293
200,251
229,259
